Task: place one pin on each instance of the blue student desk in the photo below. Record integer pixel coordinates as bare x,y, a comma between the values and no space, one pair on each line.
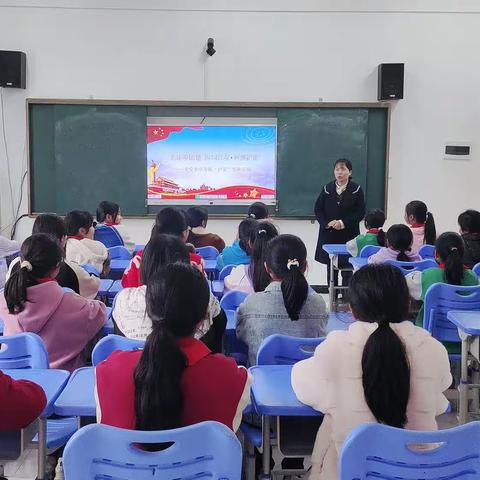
77,398
468,325
117,267
105,285
358,262
52,381
334,250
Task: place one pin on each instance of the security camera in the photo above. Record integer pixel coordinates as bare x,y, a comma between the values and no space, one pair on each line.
210,50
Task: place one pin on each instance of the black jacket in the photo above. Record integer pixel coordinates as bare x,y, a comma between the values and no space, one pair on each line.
348,207
472,249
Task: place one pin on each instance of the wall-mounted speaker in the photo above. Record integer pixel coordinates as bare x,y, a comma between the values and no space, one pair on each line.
13,69
390,81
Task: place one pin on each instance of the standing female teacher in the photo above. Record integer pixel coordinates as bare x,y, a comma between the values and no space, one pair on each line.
339,209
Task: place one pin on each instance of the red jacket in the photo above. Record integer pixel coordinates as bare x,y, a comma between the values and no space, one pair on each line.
22,402
214,388
131,276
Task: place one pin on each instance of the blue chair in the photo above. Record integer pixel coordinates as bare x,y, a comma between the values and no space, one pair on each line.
204,450
113,291
207,253
439,300
476,269
230,302
24,350
409,267
427,252
90,269
382,452
119,253
109,236
369,250
217,285
110,343
285,350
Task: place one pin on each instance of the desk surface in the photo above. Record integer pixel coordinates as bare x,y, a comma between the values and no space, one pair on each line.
339,321
52,381
467,321
77,398
105,285
117,264
336,249
358,262
272,392
210,265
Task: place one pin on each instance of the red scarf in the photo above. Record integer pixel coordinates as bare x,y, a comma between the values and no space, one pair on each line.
45,280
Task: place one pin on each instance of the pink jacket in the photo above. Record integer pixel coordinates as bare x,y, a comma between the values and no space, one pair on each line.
66,322
332,383
418,237
387,253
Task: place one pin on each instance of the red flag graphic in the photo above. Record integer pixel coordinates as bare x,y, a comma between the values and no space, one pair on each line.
157,132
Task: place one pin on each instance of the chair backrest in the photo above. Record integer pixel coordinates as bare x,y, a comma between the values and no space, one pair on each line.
439,300
369,250
232,299
476,269
24,350
206,449
119,253
382,452
285,350
226,270
109,236
110,343
207,253
427,252
90,269
409,267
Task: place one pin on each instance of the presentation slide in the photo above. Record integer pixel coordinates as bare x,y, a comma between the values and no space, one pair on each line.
211,164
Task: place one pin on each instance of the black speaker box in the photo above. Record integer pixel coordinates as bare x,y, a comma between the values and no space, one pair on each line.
390,81
13,69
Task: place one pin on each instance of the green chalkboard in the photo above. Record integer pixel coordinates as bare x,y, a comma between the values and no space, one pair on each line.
81,154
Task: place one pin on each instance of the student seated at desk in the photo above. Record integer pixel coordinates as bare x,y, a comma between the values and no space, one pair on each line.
239,252
71,274
422,224
176,380
258,211
449,251
374,220
287,306
81,248
399,246
469,222
382,369
129,313
108,214
198,235
22,402
253,277
169,221
34,302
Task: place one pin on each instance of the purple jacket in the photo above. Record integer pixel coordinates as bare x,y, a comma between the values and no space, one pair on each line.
387,253
65,321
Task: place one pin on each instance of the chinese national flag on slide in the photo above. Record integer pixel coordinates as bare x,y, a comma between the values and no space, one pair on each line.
161,132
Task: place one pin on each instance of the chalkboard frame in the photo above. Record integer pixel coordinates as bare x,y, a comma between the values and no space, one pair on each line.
209,104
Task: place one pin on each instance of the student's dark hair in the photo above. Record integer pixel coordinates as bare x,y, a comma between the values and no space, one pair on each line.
420,213
77,219
400,238
170,220
245,229
196,216
345,161
469,221
161,250
379,293
375,218
287,258
176,301
259,239
450,248
50,224
43,252
257,211
107,208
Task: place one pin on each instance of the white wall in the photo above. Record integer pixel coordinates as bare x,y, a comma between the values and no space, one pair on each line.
266,50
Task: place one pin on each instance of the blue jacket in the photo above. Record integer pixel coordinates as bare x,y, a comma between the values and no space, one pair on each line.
233,255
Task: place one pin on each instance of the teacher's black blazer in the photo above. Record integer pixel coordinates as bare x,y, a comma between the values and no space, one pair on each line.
348,207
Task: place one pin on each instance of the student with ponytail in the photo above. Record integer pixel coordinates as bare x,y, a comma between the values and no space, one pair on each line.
33,301
253,277
422,224
449,251
288,305
399,246
175,380
374,220
383,369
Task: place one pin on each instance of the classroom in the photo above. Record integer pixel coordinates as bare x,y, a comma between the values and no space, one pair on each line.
267,212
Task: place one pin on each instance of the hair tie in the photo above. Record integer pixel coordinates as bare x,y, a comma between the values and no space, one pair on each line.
26,264
252,215
292,263
262,231
454,249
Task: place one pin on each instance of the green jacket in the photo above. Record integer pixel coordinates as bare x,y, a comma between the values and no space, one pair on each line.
355,246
